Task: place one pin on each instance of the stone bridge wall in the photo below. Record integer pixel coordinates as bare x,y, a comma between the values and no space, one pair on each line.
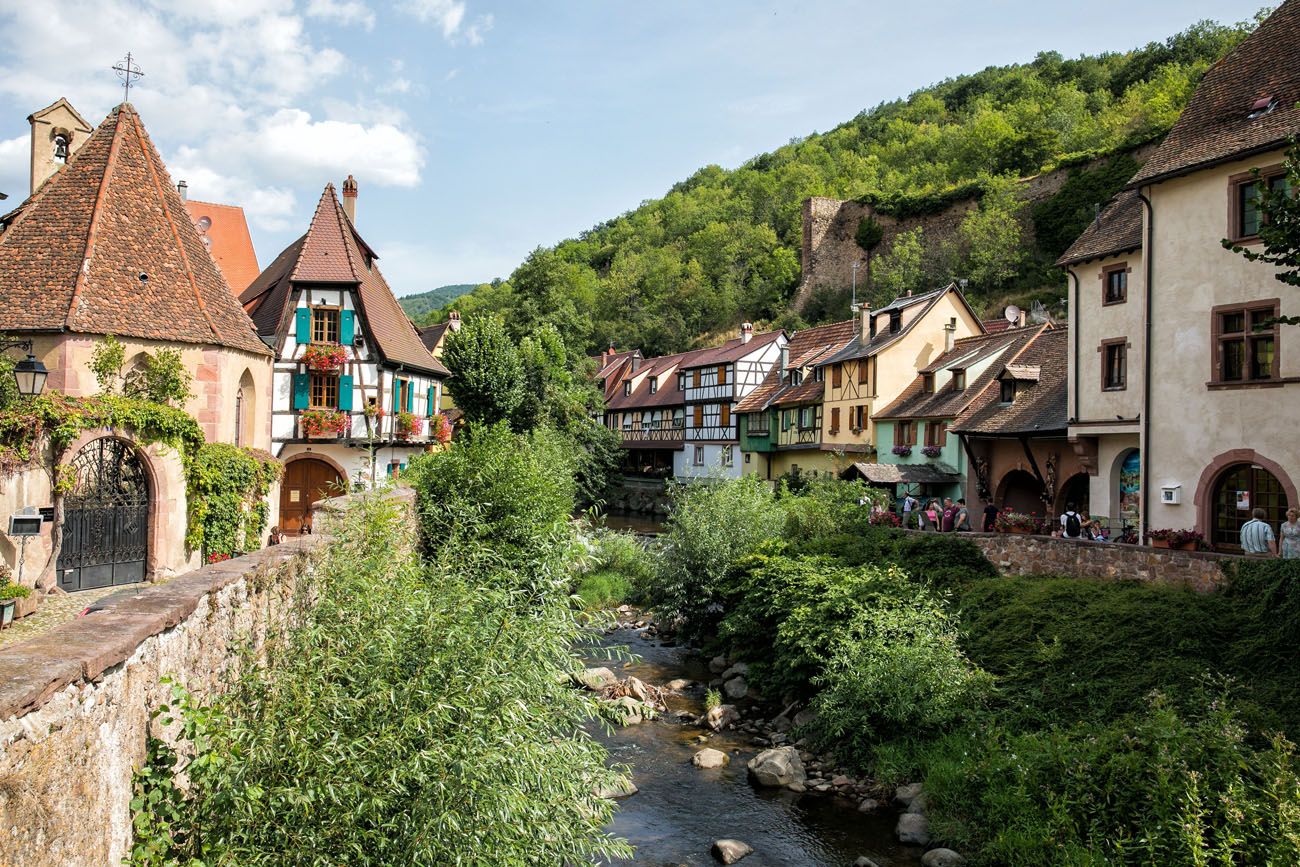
76,702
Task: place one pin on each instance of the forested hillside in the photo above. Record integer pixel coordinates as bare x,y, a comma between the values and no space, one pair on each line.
723,245
421,304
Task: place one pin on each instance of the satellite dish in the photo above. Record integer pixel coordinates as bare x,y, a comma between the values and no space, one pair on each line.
1012,314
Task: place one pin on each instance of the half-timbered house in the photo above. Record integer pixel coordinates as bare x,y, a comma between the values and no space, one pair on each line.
713,381
646,407
356,393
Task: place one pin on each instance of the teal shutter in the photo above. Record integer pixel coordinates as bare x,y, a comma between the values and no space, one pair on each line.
303,318
345,393
347,329
301,391
432,407
410,400
397,395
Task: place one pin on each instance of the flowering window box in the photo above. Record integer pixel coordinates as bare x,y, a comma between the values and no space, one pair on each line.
902,451
932,452
1179,540
322,423
408,426
325,357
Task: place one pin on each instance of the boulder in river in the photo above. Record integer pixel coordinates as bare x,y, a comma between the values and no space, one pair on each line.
637,689
906,794
596,679
804,717
864,861
777,767
623,788
730,851
630,711
942,858
736,688
913,828
680,684
710,758
721,716
740,669
917,805
718,664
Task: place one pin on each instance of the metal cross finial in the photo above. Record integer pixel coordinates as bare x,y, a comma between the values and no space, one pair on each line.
128,72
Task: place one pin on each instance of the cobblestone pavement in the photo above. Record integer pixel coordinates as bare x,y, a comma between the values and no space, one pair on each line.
53,611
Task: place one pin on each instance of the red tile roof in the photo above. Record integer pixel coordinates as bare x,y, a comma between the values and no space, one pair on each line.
72,255
1117,229
333,253
805,349
224,231
1040,408
1217,125
733,349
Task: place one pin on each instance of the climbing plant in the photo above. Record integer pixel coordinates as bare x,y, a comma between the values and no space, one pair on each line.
228,488
162,378
106,363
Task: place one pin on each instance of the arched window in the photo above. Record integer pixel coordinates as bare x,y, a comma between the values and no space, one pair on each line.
239,417
1240,490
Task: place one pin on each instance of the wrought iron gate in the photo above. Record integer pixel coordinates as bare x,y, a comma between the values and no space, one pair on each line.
105,518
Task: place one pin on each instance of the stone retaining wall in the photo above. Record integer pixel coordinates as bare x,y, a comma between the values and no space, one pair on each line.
75,702
1045,555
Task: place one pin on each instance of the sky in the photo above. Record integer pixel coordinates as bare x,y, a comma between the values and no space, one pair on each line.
479,130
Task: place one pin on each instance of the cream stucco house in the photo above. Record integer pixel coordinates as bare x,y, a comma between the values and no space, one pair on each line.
1179,372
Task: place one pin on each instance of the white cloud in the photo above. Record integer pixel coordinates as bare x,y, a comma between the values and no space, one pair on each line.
14,170
300,146
446,14
397,85
342,12
475,32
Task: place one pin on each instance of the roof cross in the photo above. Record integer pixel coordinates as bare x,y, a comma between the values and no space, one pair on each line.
128,72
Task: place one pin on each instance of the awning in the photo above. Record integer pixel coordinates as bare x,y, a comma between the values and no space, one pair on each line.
897,474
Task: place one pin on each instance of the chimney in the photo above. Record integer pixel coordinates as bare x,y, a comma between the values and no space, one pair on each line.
909,291
636,364
1022,319
184,189
747,332
350,199
949,334
864,322
453,318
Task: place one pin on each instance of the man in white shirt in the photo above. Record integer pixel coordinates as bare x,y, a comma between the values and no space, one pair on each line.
1257,537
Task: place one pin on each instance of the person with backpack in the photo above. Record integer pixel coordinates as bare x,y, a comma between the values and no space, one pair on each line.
1071,523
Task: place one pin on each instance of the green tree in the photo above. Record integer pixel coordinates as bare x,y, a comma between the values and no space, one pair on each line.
486,372
160,378
106,362
902,268
993,235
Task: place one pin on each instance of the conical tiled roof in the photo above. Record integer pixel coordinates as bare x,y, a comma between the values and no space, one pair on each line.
105,246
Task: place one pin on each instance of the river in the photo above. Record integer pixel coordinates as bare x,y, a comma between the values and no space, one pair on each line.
680,810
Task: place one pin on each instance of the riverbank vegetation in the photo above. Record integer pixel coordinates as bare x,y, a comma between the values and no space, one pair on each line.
421,712
1053,720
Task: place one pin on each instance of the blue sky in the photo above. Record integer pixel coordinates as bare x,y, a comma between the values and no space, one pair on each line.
478,130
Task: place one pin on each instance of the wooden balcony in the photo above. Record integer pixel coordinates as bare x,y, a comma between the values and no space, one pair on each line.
668,434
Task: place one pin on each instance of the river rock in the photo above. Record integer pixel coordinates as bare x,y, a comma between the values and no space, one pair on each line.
868,805
681,684
730,851
777,767
906,794
797,787
913,828
804,717
736,688
841,780
624,788
637,689
917,805
710,758
721,716
596,679
864,861
740,669
624,609
942,858
630,711
718,664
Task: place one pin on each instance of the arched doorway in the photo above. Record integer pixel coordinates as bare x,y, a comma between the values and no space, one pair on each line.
1239,490
306,481
1075,490
1020,491
105,518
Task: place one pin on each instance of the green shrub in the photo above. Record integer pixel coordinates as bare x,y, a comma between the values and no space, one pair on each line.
713,523
827,507
10,590
1156,787
620,553
941,561
603,589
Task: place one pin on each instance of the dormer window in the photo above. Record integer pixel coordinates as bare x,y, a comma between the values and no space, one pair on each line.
1264,105
1008,391
820,374
654,384
927,383
895,321
681,382
60,148
796,377
627,388
873,327
959,379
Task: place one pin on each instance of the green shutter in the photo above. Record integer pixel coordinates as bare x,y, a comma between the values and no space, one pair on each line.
345,393
432,407
346,327
410,399
397,395
303,316
301,390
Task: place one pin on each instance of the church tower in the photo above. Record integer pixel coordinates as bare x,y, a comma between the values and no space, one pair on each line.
57,131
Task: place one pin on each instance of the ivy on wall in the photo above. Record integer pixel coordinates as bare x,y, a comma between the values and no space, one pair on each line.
228,487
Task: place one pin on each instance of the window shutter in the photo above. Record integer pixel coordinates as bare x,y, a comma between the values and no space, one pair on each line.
345,393
410,398
397,395
302,317
433,406
726,415
347,328
301,390
835,419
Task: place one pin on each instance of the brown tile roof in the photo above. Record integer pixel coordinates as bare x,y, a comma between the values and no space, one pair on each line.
1216,125
1040,408
665,368
333,253
894,474
859,349
72,255
1117,229
805,349
947,402
733,349
224,231
992,326
431,335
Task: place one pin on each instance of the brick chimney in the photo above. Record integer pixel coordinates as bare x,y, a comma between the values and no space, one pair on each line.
747,332
864,322
350,199
453,318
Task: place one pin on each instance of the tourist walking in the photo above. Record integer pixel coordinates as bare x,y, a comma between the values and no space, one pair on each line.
1071,523
1257,537
909,506
1290,535
932,515
961,523
990,517
949,514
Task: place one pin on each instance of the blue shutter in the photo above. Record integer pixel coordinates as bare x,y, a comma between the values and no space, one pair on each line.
410,399
432,407
303,318
397,395
345,393
346,327
301,390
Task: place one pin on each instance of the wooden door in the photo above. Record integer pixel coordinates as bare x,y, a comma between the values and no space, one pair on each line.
305,481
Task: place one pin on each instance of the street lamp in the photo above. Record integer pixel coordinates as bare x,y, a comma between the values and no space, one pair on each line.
29,373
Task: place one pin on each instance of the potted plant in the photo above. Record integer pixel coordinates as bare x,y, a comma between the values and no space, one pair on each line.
1179,540
902,451
1011,521
323,422
440,429
10,594
325,357
408,425
932,452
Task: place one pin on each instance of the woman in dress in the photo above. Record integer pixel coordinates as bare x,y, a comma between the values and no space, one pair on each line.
1289,536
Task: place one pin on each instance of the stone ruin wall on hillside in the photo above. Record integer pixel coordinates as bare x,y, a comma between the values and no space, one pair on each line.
829,226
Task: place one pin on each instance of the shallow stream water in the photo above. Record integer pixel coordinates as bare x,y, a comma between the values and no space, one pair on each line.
680,810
